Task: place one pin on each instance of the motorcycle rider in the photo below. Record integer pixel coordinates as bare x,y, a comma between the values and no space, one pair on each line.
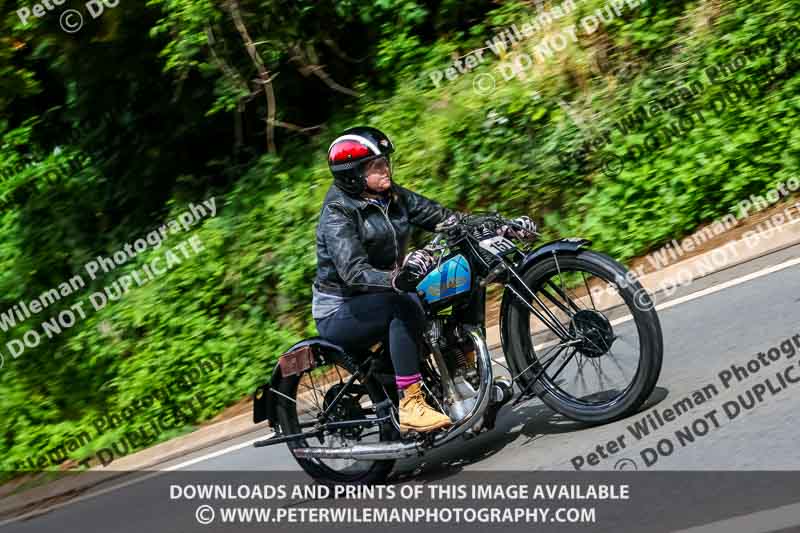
363,287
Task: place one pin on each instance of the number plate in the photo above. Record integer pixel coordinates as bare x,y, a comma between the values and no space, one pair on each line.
499,246
295,362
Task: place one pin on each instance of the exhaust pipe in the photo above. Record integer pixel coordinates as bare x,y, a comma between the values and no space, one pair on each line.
398,450
363,452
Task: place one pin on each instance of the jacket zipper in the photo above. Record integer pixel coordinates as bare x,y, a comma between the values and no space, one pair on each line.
394,233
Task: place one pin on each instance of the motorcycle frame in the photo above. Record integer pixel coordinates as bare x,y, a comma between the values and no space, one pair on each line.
473,309
508,274
408,449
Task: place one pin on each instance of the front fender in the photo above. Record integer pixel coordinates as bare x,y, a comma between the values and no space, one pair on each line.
571,245
264,398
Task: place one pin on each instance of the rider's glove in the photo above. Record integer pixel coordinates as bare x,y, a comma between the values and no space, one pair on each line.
522,228
450,222
415,267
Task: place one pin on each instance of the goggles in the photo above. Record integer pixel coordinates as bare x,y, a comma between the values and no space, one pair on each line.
379,164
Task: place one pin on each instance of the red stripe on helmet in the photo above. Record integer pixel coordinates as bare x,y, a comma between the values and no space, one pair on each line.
347,151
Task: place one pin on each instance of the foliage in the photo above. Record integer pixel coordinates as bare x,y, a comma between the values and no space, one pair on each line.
109,133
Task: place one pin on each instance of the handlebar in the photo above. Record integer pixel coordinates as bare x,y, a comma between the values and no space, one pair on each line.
471,221
477,223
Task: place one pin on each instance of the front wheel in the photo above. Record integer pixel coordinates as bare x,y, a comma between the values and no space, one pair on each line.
597,346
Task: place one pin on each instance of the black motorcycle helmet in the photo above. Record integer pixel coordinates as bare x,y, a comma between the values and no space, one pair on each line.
351,151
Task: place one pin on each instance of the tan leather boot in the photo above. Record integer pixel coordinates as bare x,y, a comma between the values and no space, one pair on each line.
417,415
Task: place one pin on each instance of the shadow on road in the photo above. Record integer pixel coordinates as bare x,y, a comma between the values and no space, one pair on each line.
530,422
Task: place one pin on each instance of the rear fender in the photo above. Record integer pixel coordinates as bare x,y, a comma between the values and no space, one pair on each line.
265,397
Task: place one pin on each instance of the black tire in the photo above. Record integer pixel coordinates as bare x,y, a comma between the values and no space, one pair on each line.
517,337
372,471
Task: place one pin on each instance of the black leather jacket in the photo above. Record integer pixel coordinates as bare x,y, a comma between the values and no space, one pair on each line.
359,244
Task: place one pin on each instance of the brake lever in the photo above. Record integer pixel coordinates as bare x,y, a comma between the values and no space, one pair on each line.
444,226
518,228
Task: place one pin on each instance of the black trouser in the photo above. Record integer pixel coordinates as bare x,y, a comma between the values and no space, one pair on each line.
366,319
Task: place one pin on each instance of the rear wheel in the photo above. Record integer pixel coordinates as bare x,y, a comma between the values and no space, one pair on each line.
304,398
607,360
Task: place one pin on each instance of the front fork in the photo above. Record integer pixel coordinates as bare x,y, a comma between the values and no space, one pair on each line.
515,284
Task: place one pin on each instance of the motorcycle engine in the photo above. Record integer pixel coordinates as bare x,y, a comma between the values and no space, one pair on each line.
458,352
457,348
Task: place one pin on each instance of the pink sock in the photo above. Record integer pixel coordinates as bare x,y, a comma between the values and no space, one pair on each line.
403,382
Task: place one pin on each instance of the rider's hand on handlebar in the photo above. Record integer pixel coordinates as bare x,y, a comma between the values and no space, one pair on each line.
521,228
451,222
415,267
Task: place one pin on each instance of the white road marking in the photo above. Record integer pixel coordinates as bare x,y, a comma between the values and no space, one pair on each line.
217,453
688,298
728,284
716,288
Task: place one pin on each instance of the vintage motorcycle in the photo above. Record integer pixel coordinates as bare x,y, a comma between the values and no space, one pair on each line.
596,356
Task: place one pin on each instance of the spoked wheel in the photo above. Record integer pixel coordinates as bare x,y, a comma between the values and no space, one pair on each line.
598,352
302,401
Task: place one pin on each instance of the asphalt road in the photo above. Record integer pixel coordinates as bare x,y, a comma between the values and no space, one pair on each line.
702,338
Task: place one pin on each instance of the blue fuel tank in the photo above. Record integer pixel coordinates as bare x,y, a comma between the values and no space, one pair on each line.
453,277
